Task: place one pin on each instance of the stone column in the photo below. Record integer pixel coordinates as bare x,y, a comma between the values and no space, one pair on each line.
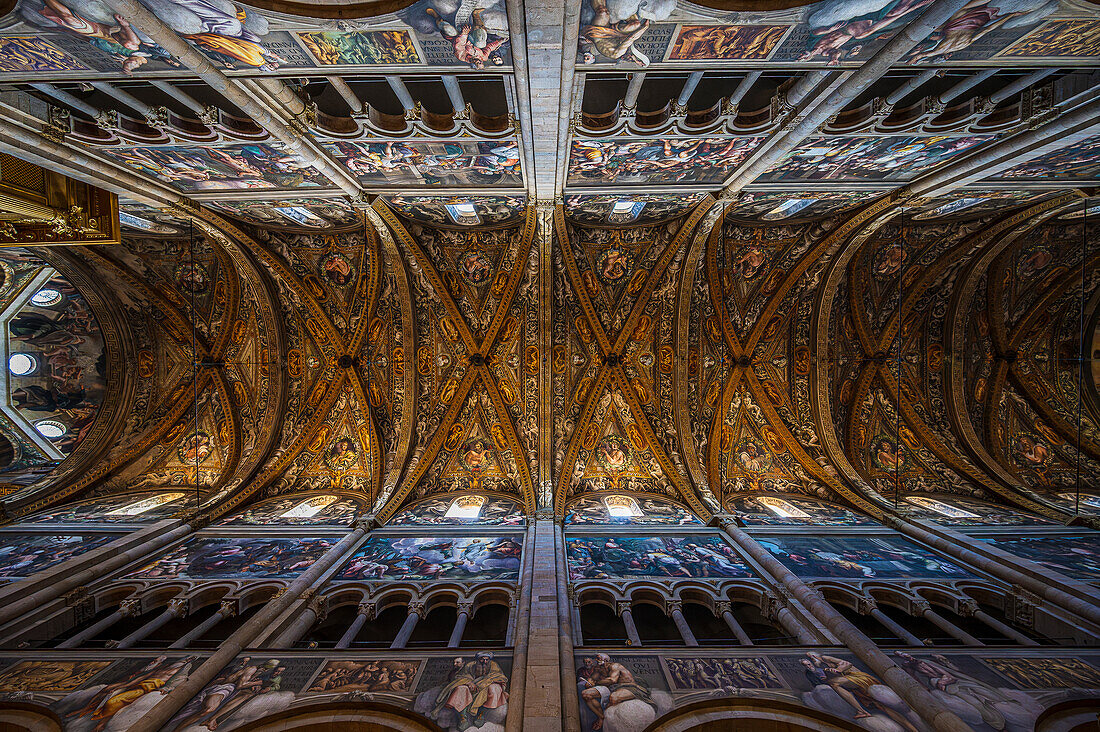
569,703
126,609
971,609
724,610
623,608
913,692
774,609
416,611
315,611
464,611
540,708
177,608
868,606
366,612
514,722
673,607
923,609
227,609
173,701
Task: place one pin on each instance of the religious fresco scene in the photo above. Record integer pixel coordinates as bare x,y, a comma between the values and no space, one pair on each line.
593,366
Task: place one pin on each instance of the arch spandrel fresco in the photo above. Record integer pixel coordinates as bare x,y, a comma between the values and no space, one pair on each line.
126,508
302,509
785,510
956,511
462,509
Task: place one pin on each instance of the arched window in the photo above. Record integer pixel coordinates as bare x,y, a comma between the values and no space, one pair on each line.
622,506
309,507
146,504
781,508
465,507
51,428
943,509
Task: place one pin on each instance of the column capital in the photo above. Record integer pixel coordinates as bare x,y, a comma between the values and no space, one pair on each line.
130,607
366,523
770,605
179,606
920,607
721,607
673,605
724,520
968,607
416,606
622,606
865,604
228,608
319,606
368,609
75,596
466,606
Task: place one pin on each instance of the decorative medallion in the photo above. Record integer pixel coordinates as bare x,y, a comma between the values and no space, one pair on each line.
475,455
342,454
614,454
614,265
195,449
191,278
475,267
886,456
336,269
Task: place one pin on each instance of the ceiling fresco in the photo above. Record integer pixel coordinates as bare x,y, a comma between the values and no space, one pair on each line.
67,36
830,32
369,269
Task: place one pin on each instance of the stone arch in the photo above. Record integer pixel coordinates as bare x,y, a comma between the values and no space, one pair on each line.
349,716
20,717
1077,715
749,714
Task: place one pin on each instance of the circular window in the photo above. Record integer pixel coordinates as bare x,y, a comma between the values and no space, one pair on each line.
45,297
50,428
22,364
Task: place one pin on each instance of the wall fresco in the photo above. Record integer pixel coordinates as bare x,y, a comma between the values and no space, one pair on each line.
307,213
627,691
22,554
657,160
197,168
431,558
486,163
224,558
63,379
624,509
859,557
769,206
62,35
299,510
449,210
868,158
647,208
789,510
462,510
1074,556
127,508
1077,161
613,557
831,32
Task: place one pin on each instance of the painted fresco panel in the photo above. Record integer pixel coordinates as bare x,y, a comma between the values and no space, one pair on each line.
495,511
1074,556
953,511
490,210
109,696
308,213
859,557
1076,161
642,510
769,206
485,163
766,511
868,158
226,558
431,558
242,39
197,168
987,692
657,160
22,555
831,32
128,508
613,557
297,510
598,208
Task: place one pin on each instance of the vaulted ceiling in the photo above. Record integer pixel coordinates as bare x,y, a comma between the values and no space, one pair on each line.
842,250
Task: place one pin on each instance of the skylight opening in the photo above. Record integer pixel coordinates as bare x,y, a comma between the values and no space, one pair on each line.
463,213
50,428
466,507
789,208
943,509
625,210
310,507
146,504
46,297
622,507
783,509
22,364
301,215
